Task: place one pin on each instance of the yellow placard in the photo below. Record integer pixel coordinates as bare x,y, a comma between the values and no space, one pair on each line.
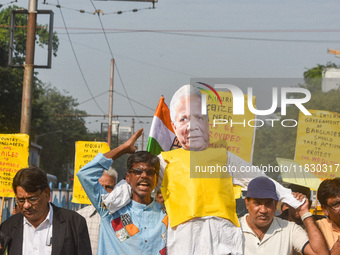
318,143
85,152
293,172
14,150
233,132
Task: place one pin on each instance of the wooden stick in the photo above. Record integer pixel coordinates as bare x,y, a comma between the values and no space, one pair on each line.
2,207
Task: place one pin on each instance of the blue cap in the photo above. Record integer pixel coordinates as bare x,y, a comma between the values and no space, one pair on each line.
263,188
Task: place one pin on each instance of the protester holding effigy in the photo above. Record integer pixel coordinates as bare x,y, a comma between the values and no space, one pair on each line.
140,225
202,211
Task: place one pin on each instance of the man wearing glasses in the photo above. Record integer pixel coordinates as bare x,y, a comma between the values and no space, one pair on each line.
329,198
140,226
41,227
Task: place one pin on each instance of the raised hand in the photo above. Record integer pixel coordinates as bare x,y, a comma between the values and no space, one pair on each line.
130,144
127,147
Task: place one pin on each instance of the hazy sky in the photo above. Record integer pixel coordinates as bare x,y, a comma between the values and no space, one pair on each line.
190,39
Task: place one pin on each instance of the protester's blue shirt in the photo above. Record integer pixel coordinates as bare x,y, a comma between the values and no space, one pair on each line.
134,229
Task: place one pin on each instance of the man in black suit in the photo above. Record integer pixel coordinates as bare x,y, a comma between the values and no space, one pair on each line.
41,227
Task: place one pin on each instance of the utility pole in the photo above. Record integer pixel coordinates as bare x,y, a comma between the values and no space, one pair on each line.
133,126
142,141
109,130
26,109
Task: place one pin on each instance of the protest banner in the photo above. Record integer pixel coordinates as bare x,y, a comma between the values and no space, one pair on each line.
318,143
290,173
85,152
233,132
14,156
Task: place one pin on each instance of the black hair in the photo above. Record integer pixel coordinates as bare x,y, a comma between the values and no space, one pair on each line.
143,156
329,188
30,179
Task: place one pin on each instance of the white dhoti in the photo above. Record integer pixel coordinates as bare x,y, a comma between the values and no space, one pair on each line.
205,236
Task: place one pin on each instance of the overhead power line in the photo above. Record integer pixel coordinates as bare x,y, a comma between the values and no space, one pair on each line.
97,11
11,2
115,63
78,64
210,30
152,109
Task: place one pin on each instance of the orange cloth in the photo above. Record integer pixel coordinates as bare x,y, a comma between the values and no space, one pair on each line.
331,235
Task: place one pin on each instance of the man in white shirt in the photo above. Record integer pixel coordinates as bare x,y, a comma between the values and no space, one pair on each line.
266,234
41,227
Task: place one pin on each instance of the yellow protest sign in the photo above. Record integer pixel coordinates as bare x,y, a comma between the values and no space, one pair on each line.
233,132
14,150
293,172
85,152
318,143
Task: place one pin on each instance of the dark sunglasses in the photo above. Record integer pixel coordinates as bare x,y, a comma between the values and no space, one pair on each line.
149,172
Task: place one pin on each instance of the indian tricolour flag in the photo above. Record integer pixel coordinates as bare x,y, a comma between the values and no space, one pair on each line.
162,136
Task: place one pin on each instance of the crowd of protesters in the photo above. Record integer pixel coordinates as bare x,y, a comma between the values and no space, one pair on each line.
188,216
140,227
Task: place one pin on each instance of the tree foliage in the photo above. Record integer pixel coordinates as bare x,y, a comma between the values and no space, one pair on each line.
279,141
56,135
11,79
20,33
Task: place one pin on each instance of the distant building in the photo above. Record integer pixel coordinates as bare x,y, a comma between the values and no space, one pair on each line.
34,155
124,133
330,79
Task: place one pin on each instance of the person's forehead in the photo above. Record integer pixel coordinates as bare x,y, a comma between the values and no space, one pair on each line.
262,200
21,192
190,106
187,100
334,199
106,178
142,165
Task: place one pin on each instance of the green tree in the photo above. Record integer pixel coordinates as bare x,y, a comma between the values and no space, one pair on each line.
278,141
11,78
57,134
313,77
20,33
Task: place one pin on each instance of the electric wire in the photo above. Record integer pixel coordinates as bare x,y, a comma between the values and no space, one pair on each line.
255,39
76,58
97,11
14,1
115,63
216,37
135,101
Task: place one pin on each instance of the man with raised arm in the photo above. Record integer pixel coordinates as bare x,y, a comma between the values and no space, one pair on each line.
138,227
266,234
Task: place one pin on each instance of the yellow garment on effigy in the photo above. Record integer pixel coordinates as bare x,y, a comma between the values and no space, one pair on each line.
187,198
